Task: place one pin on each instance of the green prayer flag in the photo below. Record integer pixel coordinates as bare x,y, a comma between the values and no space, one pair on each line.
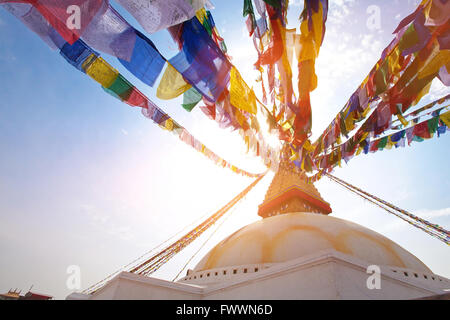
383,142
409,38
381,78
248,8
207,26
274,3
191,98
223,47
120,88
433,125
342,125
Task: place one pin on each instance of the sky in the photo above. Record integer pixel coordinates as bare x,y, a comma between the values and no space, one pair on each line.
87,181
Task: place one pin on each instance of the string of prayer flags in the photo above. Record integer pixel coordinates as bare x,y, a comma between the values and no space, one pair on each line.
417,112
419,132
401,77
438,123
111,33
312,31
85,59
122,89
108,32
221,110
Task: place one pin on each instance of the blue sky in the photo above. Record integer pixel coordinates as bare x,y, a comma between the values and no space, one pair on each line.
87,180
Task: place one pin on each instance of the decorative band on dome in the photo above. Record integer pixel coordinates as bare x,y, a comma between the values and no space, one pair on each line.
291,192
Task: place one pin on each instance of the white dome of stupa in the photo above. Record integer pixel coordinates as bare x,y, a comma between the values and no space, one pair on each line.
290,236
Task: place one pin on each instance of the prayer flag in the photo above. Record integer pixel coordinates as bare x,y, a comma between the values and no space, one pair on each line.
241,96
172,84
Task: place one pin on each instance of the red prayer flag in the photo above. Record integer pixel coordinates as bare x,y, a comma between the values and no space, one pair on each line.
69,17
137,99
421,130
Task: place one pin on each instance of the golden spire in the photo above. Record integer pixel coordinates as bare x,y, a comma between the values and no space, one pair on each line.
290,192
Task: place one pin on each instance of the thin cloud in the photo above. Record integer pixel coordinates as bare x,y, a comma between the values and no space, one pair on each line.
439,213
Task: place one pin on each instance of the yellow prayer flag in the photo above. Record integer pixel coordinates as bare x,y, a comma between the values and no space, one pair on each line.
86,63
310,40
358,151
433,66
169,124
247,143
364,136
307,50
293,157
445,117
365,80
366,111
102,72
239,117
172,84
317,20
402,119
422,92
393,61
349,124
201,15
389,143
308,146
241,96
339,157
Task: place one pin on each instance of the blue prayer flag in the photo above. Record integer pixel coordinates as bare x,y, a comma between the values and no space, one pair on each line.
77,53
146,62
201,61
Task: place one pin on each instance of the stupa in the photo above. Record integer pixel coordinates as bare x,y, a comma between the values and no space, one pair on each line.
297,251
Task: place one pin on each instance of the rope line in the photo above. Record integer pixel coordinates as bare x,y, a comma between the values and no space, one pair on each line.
390,205
233,210
427,229
155,262
100,283
150,265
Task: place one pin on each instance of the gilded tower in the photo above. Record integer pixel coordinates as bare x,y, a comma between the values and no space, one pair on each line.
290,192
